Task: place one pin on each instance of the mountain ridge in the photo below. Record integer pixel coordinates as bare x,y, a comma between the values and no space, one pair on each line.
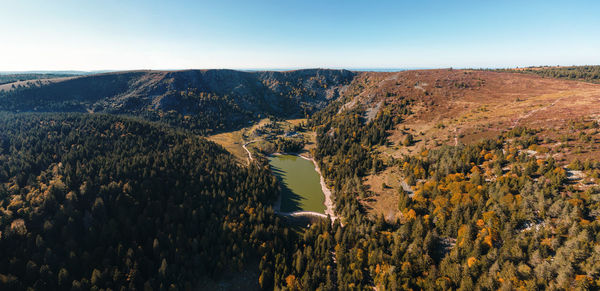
223,96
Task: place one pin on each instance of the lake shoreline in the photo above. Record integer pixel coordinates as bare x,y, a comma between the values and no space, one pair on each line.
328,201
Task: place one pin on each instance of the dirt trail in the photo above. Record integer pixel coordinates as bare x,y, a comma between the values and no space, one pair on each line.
530,113
456,130
249,153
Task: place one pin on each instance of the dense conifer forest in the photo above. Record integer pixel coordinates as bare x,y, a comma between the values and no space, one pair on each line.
102,202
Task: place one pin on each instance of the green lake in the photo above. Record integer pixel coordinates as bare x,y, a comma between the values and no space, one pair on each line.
300,183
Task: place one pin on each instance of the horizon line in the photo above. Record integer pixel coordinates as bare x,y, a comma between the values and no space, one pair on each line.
283,69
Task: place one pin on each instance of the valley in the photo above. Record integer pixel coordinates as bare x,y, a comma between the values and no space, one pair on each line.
202,101
299,145
430,178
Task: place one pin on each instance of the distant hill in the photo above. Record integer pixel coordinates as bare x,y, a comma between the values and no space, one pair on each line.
200,100
206,101
72,73
6,78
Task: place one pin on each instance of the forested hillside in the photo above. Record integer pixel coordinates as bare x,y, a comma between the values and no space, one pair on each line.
491,215
200,100
579,73
97,201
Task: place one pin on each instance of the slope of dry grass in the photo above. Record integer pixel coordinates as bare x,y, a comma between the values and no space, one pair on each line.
457,106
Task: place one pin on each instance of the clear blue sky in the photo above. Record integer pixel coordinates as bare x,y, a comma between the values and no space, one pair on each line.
131,34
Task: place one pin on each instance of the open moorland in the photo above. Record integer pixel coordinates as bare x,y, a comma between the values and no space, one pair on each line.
451,107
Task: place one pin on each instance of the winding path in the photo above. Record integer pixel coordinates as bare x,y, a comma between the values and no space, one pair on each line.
249,153
528,114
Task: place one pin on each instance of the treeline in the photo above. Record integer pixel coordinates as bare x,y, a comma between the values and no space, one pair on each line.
579,73
93,202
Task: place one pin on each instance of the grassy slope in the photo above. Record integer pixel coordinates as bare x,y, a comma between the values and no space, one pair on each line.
458,106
